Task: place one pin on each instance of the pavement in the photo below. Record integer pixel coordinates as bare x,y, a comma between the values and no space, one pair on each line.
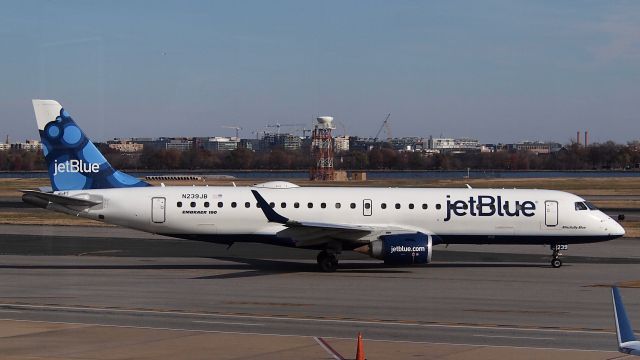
72,292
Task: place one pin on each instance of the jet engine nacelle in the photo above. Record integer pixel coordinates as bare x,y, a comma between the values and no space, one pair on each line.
400,249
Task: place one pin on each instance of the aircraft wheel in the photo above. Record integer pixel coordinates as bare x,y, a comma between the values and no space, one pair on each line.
327,262
321,256
556,263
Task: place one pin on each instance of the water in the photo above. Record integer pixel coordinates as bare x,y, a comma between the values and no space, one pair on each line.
372,175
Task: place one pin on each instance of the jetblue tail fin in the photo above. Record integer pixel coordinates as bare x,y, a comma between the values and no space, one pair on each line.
74,163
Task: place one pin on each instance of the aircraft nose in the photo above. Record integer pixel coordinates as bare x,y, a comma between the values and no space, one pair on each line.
615,229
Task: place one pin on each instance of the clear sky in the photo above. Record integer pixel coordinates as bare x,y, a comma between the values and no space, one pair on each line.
498,71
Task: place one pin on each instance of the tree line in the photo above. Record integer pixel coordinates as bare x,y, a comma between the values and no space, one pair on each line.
599,156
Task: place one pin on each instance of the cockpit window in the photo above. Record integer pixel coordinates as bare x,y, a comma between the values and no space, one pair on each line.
590,206
580,206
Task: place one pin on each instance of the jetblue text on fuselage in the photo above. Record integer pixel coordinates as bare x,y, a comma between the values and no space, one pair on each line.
486,205
75,166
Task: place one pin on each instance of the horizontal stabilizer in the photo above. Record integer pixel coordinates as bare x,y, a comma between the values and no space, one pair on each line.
38,198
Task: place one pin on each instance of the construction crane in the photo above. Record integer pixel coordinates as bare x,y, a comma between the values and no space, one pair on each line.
236,128
344,128
258,132
278,126
386,126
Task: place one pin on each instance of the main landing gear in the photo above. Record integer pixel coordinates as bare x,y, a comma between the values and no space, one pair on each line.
555,257
327,261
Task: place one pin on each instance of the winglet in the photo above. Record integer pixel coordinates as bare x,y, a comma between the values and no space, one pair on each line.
623,326
627,343
272,215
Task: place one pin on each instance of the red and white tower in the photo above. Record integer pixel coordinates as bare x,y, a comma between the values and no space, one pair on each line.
322,149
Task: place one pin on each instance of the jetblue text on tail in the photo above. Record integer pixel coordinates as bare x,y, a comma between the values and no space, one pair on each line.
75,166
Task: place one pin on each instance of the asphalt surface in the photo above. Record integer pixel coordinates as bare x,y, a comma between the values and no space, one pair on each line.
479,298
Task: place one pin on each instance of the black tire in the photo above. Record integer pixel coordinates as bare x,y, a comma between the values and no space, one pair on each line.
556,263
328,262
321,255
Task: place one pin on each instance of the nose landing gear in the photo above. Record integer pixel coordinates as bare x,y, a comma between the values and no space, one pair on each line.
555,257
327,261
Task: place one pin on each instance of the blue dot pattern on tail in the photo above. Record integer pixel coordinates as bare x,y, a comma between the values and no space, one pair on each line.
74,163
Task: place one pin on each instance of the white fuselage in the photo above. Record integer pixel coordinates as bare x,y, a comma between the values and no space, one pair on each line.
229,214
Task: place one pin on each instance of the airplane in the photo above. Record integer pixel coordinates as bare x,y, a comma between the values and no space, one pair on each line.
627,342
397,225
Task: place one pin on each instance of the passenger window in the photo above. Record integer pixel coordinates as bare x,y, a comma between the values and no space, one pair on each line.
233,204
581,206
397,206
272,204
283,205
383,206
367,205
220,204
410,206
179,204
206,204
438,206
323,205
425,206
310,205
296,205
247,204
353,205
338,205
193,204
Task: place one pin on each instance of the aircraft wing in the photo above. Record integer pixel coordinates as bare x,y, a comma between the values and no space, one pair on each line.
308,233
40,198
627,342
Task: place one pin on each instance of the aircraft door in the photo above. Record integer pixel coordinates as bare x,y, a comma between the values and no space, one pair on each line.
367,207
551,213
158,209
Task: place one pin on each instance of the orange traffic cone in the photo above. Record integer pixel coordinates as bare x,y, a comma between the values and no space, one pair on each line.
360,349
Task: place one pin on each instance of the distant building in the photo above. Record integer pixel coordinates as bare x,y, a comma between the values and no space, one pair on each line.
341,143
5,147
28,145
362,144
250,144
152,144
218,143
451,145
125,145
441,143
290,142
281,141
488,148
180,144
536,147
406,143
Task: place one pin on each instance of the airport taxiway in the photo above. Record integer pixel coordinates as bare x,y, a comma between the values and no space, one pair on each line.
87,286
